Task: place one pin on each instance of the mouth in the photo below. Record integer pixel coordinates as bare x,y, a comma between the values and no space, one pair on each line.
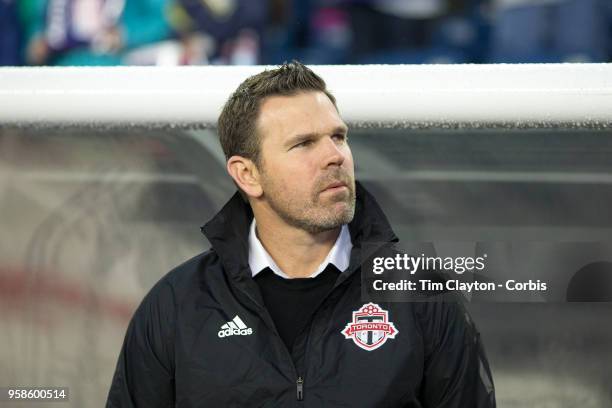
336,186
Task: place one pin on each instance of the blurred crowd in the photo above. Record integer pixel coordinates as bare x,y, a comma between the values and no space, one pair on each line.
244,32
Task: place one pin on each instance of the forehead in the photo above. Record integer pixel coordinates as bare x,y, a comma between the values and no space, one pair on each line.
306,112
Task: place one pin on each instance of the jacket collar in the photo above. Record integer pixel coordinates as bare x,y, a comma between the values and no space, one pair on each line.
228,231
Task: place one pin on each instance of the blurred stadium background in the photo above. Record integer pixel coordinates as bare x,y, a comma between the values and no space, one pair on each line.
238,32
91,218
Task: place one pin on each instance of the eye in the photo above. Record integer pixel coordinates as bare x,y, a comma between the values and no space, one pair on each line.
304,143
340,137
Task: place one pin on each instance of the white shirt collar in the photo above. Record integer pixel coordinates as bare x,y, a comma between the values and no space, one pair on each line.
339,256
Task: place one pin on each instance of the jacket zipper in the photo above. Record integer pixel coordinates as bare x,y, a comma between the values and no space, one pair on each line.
300,388
300,380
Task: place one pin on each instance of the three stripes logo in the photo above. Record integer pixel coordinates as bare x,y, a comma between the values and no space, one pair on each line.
235,327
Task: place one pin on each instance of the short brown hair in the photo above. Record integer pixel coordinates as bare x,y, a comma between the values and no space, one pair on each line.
237,124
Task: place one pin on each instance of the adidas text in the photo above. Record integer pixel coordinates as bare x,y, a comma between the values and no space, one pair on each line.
235,327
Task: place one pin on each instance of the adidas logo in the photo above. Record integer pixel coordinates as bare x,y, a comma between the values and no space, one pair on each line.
235,327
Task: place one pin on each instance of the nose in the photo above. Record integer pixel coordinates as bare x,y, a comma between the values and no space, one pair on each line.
333,153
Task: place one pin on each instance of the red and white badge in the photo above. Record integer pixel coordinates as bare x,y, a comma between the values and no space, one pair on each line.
370,327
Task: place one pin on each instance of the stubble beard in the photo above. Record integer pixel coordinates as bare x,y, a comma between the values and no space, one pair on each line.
313,215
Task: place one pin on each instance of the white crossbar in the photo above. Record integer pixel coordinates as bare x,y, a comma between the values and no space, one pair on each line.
525,94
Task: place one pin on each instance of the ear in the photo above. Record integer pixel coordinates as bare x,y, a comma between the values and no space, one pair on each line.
245,175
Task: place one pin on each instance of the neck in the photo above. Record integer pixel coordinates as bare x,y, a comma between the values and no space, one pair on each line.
297,252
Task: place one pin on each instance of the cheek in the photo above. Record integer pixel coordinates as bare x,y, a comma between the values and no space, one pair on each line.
302,168
290,178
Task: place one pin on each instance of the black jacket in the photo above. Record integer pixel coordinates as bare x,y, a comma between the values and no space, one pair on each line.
178,350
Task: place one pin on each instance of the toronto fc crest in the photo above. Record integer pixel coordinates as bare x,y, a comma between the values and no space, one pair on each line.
370,327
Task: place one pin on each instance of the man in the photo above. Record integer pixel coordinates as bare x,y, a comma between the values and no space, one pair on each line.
272,314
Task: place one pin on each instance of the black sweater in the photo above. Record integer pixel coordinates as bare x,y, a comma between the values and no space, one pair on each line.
291,302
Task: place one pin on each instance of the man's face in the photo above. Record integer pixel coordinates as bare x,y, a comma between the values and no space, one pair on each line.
307,173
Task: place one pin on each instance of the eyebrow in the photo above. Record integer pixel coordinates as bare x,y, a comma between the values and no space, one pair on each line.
302,137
